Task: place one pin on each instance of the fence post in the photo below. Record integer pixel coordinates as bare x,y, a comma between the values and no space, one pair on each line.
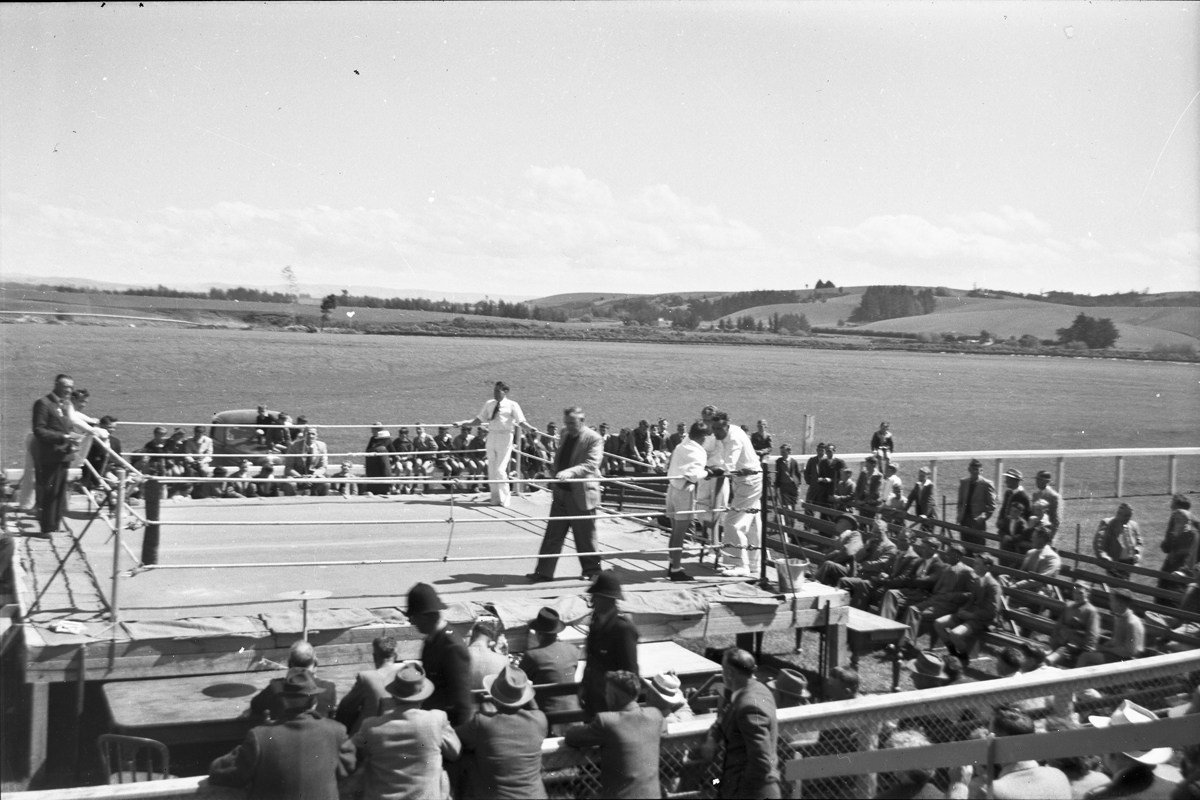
1172,471
152,492
810,426
1000,476
519,485
933,472
118,525
1062,471
1120,476
865,783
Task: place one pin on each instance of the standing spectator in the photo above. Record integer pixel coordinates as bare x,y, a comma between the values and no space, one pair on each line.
1181,540
1128,638
922,500
299,755
742,557
378,463
56,446
686,470
788,478
868,489
402,751
813,494
747,726
266,704
1119,540
482,651
628,736
1014,509
961,628
445,659
1054,501
611,643
308,457
551,661
506,737
1133,771
760,440
369,697
976,502
882,443
842,496
893,489
1077,630
578,457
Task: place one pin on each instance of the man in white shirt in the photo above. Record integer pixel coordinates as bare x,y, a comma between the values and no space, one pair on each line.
743,554
712,491
502,416
686,470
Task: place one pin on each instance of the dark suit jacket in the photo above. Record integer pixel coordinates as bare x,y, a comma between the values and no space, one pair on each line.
984,606
611,645
876,556
507,747
51,429
368,698
629,743
299,758
448,666
266,703
751,734
554,663
584,462
983,501
904,569
922,501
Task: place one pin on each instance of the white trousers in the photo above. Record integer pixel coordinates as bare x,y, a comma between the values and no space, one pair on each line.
499,452
742,526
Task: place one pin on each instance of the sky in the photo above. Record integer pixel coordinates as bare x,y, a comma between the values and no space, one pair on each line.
528,149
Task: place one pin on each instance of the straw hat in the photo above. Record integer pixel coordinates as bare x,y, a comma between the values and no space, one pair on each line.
510,687
410,684
667,687
928,664
1129,713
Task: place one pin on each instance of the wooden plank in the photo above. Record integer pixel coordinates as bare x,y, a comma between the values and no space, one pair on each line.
39,730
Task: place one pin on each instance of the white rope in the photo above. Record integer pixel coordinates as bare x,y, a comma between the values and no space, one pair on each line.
397,481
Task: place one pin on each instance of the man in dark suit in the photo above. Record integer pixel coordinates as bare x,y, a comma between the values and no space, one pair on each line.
810,473
869,587
299,755
1014,510
628,737
949,593
874,558
551,661
579,455
268,702
445,658
370,697
976,502
921,500
961,628
748,727
55,443
611,643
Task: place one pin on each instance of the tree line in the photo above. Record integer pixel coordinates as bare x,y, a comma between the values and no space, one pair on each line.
890,302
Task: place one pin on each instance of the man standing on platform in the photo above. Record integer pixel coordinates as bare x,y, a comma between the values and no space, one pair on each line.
445,659
579,456
976,502
686,470
741,557
54,447
502,416
611,643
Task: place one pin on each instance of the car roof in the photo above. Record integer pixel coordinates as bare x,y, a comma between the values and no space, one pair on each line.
239,416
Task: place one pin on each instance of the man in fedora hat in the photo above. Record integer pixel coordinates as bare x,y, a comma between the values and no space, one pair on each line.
369,697
664,691
976,502
1014,510
402,751
1133,771
301,655
299,755
790,688
949,593
444,657
747,725
611,643
628,736
506,737
551,661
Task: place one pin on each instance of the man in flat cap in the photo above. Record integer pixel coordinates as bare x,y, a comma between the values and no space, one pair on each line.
611,643
445,658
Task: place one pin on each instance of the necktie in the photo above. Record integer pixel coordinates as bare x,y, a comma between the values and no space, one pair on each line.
496,410
966,509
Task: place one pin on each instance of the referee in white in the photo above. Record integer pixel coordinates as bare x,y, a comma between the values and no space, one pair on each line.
502,416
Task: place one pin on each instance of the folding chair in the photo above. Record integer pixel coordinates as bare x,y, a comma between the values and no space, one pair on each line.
124,756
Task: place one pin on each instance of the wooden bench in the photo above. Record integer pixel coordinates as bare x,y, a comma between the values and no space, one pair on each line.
866,632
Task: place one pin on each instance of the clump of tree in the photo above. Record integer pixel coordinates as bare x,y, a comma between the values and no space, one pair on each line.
328,304
740,301
1092,333
791,324
890,302
824,285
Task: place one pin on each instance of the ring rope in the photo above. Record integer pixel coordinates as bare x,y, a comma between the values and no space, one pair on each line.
427,521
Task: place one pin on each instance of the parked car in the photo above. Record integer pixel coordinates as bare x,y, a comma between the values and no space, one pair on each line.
243,439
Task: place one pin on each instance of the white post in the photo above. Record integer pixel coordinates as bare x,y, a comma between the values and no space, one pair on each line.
118,525
1172,471
1062,462
1000,476
933,471
1120,476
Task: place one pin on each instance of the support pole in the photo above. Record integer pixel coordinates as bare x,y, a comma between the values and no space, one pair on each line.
1172,472
1120,476
933,476
1062,472
119,526
1000,475
152,492
810,427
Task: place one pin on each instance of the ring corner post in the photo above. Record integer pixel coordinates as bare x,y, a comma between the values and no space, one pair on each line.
152,491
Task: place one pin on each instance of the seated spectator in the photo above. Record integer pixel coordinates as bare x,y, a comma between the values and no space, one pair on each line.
297,754
239,476
847,544
664,692
156,465
401,752
198,452
790,688
369,697
1118,541
1181,542
842,496
482,648
462,461
1177,624
477,452
873,560
1009,662
308,457
1133,771
676,438
506,736
642,446
346,487
444,461
301,656
960,629
951,591
1128,638
914,784
550,661
100,456
404,465
268,485
902,592
424,449
1082,771
628,738
929,670
842,684
224,489
1077,630
869,587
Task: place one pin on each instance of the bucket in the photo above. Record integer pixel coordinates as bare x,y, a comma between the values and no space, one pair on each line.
791,577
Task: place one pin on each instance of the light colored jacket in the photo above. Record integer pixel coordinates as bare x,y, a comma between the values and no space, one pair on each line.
402,753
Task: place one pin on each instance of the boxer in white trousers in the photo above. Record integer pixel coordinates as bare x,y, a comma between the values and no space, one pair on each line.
502,417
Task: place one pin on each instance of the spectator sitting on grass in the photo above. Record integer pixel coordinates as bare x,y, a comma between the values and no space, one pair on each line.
405,466
308,457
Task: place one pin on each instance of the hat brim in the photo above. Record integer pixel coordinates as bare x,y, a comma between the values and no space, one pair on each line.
911,666
773,685
1159,755
674,697
557,627
425,691
526,695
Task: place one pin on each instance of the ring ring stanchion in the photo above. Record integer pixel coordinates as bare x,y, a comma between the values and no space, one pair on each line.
304,595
